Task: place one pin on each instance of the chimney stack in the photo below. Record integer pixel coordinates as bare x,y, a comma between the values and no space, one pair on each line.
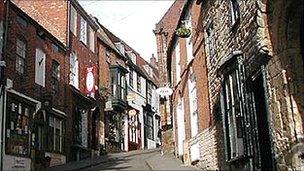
153,61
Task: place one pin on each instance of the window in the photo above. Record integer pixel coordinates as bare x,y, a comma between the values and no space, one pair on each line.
118,84
189,44
21,54
55,76
233,113
40,67
211,46
193,104
21,21
138,83
235,11
149,126
74,80
73,21
177,61
91,39
83,30
56,134
18,137
131,78
149,93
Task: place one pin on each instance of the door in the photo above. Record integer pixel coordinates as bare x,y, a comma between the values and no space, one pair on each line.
263,147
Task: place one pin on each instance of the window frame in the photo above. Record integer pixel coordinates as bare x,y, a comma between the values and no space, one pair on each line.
138,77
55,78
234,12
131,74
74,70
233,109
52,145
21,58
83,31
73,20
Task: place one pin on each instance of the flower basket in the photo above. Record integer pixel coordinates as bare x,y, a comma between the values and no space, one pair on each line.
183,32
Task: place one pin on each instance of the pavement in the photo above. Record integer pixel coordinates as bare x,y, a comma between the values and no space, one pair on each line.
134,160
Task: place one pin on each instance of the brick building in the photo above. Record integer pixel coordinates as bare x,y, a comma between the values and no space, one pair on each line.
75,29
164,30
34,89
254,65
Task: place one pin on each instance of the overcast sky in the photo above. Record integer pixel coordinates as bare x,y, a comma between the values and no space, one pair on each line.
131,21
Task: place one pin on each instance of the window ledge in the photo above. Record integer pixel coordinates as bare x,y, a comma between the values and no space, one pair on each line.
238,159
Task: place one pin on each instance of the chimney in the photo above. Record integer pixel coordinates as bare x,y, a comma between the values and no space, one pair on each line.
153,61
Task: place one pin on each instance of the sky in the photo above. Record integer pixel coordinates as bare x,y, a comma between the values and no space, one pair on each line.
131,21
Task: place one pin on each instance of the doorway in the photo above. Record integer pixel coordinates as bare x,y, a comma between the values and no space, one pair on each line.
265,161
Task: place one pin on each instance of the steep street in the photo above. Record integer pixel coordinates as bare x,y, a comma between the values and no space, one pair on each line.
134,160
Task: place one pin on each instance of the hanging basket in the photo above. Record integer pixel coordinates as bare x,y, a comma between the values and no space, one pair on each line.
183,32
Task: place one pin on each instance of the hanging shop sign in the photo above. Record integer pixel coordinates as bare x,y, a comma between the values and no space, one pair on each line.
164,91
132,112
90,79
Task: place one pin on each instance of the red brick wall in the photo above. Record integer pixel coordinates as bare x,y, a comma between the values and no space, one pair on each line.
51,14
26,83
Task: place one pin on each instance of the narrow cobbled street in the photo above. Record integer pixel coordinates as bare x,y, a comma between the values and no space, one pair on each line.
134,160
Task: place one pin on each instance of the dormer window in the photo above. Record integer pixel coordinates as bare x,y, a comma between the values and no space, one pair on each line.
120,47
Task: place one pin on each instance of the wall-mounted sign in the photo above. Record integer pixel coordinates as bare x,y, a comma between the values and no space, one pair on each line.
164,91
90,79
108,106
132,112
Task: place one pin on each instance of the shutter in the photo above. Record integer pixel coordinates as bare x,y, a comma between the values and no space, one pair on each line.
40,67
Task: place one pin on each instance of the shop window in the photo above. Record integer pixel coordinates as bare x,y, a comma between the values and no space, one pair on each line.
18,137
55,76
83,30
73,21
56,134
20,56
149,126
235,11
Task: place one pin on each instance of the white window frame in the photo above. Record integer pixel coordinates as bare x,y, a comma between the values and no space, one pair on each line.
74,70
91,39
73,21
83,30
177,60
40,67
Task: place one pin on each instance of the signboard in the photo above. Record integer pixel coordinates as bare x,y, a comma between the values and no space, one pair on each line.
90,80
108,106
164,91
